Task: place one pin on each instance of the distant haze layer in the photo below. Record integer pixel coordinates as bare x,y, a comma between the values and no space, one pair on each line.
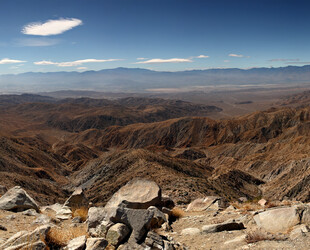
143,80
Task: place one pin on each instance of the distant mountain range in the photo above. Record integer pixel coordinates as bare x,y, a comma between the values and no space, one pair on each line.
141,80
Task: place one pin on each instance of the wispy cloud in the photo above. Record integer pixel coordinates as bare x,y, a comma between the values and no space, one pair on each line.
75,63
10,61
36,42
141,58
51,27
201,56
82,68
238,55
171,60
284,60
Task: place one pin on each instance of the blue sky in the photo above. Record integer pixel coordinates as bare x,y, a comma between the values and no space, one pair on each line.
78,35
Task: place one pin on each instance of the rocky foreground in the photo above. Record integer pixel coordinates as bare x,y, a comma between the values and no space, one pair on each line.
138,216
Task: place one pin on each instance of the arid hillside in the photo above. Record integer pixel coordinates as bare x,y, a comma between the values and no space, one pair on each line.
51,147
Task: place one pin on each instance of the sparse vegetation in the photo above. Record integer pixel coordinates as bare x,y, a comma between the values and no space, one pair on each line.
59,237
177,213
255,236
81,212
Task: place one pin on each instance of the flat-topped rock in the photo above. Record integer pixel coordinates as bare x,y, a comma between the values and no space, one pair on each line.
137,194
278,219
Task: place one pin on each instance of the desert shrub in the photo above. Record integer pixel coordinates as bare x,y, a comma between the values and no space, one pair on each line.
80,212
176,213
255,236
59,237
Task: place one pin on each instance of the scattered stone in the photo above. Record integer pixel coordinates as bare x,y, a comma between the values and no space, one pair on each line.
117,233
38,245
262,202
306,216
43,219
166,227
236,240
131,245
55,208
11,217
3,228
231,208
64,214
26,237
17,200
77,219
158,219
96,243
190,231
277,219
228,226
96,215
299,231
78,243
154,241
242,199
30,212
209,202
77,199
3,190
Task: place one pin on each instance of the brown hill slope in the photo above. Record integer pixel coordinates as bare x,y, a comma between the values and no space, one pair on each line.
271,145
265,153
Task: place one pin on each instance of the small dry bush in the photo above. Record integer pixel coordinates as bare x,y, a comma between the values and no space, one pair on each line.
255,236
59,237
80,212
286,203
250,207
177,213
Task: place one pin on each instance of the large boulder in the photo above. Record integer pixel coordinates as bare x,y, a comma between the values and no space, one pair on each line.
77,199
138,194
17,199
278,219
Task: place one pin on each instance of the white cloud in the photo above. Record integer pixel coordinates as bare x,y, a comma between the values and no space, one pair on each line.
171,60
9,61
51,27
236,55
82,68
202,56
141,58
75,63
